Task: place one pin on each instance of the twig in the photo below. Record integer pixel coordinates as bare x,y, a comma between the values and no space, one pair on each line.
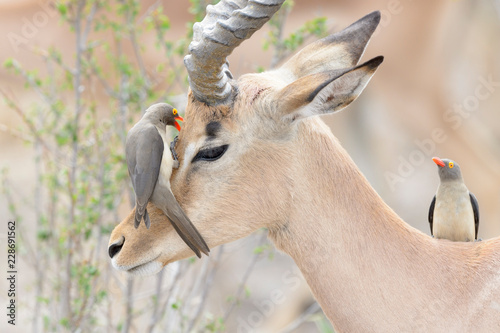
142,69
66,293
178,275
154,315
25,119
148,11
88,24
57,157
281,17
47,56
312,309
208,286
245,278
38,217
104,83
128,305
178,75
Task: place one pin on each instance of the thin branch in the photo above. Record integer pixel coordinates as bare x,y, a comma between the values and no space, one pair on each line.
311,310
88,24
156,306
138,57
208,287
48,56
245,278
148,11
128,305
26,120
40,256
178,74
66,294
104,83
33,84
177,277
281,17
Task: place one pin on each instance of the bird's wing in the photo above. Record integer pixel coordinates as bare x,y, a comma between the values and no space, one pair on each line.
144,152
475,209
182,224
431,213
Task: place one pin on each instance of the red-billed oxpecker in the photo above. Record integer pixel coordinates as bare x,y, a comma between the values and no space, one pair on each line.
454,212
150,167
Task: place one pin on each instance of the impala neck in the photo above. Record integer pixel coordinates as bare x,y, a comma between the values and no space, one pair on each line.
343,237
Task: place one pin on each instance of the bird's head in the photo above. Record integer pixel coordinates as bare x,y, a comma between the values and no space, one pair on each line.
448,169
163,114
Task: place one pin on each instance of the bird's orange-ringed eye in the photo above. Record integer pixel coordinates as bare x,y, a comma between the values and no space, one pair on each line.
450,165
174,111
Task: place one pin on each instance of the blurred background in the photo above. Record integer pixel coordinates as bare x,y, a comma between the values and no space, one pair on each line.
76,76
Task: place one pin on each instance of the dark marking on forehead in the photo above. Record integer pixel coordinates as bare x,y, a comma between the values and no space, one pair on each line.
258,94
212,128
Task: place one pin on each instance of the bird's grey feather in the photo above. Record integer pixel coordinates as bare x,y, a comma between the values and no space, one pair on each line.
185,238
144,151
181,222
475,209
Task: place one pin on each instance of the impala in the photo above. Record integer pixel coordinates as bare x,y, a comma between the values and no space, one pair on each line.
254,154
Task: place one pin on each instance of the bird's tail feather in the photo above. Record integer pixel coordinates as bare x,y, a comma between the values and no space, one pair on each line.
185,239
137,220
182,224
187,230
140,211
146,218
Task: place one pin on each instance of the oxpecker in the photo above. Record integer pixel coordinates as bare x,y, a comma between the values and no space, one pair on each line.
150,167
454,212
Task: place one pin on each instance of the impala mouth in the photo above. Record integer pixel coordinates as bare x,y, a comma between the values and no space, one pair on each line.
148,268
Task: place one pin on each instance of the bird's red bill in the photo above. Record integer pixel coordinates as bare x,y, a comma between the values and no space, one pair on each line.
438,161
176,124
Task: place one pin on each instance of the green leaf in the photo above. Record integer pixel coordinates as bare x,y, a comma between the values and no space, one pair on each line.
62,8
9,63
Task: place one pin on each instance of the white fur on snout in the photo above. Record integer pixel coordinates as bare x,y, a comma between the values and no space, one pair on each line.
147,269
148,266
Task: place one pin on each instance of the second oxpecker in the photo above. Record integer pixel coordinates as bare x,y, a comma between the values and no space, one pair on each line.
454,212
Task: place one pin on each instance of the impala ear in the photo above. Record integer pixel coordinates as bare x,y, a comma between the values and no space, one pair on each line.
325,92
340,50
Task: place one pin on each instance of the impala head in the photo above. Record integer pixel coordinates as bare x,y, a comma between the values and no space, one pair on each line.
238,147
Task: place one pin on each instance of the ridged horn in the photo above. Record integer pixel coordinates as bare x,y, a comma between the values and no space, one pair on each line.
224,27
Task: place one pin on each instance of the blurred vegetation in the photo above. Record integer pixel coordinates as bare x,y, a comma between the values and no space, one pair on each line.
81,172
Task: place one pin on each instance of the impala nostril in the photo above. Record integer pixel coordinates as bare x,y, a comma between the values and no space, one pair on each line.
116,247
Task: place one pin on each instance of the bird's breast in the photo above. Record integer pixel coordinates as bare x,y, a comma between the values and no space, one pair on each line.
453,216
166,168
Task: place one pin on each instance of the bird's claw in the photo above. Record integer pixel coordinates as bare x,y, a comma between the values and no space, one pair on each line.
174,154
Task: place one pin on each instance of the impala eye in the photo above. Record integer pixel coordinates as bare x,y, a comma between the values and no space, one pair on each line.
210,154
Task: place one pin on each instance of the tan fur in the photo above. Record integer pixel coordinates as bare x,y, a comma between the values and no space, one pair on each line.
369,270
